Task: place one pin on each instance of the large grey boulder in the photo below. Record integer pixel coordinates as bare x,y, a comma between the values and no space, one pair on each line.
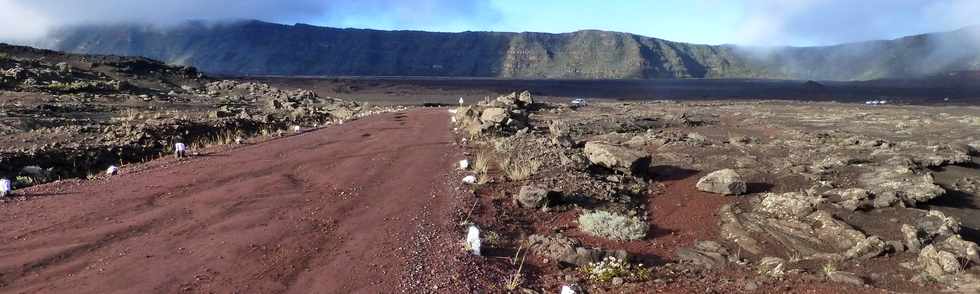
617,157
725,182
494,116
533,196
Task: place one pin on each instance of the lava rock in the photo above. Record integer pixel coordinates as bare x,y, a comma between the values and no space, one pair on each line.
617,157
534,197
494,116
567,250
725,182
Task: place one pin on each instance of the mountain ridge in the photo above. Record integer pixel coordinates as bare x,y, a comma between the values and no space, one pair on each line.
260,48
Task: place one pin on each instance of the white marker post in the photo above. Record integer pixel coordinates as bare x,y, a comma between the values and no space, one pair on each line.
473,240
180,150
567,290
5,188
460,101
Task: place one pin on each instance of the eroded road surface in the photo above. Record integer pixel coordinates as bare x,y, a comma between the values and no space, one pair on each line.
338,210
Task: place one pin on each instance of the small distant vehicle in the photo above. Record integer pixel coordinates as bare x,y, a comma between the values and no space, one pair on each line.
578,102
876,102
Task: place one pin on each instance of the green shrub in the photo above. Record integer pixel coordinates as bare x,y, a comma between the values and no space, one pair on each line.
613,226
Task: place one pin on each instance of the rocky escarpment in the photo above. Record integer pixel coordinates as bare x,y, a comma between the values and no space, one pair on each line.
258,48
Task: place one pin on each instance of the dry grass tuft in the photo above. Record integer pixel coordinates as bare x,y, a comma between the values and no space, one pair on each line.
482,162
517,278
520,166
516,160
468,120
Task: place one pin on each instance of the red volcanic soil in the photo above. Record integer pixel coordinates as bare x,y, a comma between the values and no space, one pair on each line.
361,207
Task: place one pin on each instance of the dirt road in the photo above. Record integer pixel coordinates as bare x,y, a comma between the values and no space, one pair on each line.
360,207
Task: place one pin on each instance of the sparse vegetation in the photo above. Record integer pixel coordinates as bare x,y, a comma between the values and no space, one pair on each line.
771,267
24,181
468,120
515,160
829,267
491,238
613,226
520,166
611,267
83,86
481,164
517,278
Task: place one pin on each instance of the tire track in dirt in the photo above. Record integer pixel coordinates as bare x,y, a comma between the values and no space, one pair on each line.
328,211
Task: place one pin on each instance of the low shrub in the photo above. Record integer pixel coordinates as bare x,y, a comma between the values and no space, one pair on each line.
24,181
613,226
610,268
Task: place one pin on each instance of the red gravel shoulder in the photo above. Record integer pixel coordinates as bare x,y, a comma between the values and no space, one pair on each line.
359,207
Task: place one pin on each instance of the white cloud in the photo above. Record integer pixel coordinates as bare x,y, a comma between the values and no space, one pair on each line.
824,22
19,22
31,18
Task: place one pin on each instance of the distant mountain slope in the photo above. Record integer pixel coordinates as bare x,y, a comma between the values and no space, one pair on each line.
259,48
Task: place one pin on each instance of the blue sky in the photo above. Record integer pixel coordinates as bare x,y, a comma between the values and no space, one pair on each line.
749,22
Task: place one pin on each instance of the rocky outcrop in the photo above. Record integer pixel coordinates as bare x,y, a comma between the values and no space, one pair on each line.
852,198
505,115
792,221
566,250
705,254
787,205
900,185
